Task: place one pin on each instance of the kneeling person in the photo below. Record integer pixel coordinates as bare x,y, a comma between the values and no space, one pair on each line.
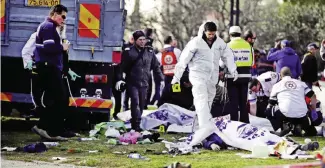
289,94
259,92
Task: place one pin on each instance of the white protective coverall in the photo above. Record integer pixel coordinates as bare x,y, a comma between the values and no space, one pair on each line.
203,64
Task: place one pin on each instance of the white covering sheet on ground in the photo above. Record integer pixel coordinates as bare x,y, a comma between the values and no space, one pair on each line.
181,120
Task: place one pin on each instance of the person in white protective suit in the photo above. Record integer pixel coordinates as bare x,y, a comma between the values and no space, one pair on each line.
202,55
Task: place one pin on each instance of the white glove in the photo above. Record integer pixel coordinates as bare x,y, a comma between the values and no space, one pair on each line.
162,85
235,74
215,147
118,85
174,81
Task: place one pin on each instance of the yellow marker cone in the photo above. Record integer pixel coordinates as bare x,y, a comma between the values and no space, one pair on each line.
176,87
161,129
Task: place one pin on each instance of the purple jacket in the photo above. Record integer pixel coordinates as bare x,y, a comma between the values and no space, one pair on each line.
213,139
48,44
286,57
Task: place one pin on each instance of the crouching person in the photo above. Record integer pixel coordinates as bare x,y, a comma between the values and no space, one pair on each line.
287,110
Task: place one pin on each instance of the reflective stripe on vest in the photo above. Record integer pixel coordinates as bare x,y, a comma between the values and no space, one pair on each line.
168,61
242,52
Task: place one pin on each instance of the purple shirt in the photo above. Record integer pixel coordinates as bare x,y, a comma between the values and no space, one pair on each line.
48,44
286,57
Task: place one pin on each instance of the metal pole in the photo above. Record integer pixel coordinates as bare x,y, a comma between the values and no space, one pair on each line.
237,12
231,12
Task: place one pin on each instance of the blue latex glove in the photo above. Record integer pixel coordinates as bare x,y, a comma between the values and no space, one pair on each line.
314,115
29,65
73,75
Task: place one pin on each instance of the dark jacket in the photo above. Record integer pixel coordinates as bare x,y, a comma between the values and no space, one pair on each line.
309,68
263,65
286,57
48,44
138,71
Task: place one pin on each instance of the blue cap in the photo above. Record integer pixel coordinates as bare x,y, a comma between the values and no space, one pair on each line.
285,42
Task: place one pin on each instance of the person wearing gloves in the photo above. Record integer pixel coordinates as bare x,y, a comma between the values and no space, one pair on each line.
238,89
137,63
28,62
202,55
287,107
49,67
285,56
259,92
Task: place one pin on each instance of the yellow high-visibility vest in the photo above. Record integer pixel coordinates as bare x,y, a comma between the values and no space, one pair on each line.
242,52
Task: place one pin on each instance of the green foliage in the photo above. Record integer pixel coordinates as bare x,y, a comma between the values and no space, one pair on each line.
304,2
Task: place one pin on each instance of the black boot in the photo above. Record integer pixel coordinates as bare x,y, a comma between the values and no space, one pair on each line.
297,131
286,128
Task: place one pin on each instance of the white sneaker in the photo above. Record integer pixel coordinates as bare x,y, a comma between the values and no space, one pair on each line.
215,147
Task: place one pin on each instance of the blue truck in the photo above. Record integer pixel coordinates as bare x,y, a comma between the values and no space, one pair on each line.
95,29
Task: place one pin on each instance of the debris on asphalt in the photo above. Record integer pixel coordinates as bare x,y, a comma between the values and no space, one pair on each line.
51,144
9,149
59,158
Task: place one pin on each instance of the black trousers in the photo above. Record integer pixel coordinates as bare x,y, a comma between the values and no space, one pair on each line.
277,119
149,92
55,99
37,91
118,102
138,98
237,92
167,91
126,99
261,105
